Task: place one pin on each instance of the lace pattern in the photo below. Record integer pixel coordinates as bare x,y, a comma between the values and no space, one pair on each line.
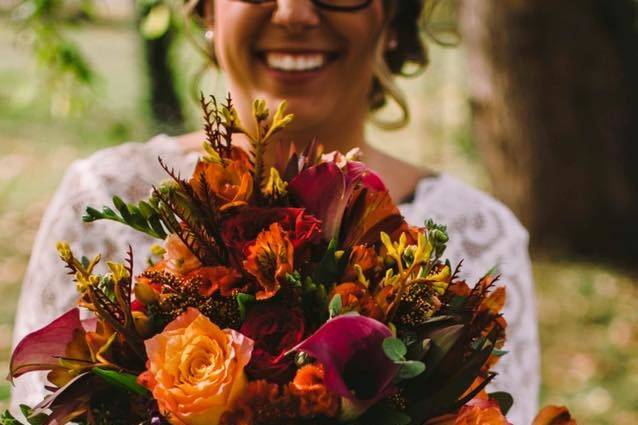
483,233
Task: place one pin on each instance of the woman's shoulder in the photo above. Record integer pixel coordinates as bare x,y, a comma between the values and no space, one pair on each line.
129,165
139,154
464,209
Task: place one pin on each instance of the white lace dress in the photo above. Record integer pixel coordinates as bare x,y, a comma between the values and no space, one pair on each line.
483,232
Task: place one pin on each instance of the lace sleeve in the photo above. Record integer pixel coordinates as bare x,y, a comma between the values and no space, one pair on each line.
47,289
484,233
519,370
128,170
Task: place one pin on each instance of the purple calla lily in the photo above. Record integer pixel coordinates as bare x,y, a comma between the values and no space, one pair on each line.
350,347
369,178
40,349
325,190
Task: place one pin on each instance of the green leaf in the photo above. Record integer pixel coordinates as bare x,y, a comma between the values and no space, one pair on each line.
156,22
410,369
330,268
334,309
442,341
147,210
384,414
504,400
122,208
244,300
294,279
450,390
7,419
38,419
157,227
136,216
143,218
125,381
395,349
499,353
91,214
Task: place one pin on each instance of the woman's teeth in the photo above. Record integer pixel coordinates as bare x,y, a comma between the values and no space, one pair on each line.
295,62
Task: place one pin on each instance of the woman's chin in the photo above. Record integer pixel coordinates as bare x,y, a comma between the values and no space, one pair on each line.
311,115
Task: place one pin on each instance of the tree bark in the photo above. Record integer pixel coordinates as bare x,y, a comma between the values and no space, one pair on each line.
554,96
162,95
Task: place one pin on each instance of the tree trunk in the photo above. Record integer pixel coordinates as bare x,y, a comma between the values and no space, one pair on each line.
164,102
554,95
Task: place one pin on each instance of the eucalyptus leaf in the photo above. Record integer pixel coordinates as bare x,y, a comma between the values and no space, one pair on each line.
410,369
395,349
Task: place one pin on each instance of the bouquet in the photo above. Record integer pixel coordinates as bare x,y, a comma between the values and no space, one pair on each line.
288,294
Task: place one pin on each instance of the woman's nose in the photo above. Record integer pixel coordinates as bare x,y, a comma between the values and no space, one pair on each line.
295,15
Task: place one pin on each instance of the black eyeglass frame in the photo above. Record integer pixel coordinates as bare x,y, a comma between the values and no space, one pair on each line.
322,4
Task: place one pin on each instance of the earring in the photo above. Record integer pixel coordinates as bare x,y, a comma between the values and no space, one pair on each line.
393,44
209,35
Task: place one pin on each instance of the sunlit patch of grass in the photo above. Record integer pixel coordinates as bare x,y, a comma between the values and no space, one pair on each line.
589,331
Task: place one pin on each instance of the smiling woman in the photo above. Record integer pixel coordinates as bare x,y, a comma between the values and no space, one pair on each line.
334,62
320,62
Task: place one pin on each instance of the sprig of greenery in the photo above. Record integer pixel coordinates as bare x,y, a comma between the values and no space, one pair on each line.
64,68
143,217
437,236
8,419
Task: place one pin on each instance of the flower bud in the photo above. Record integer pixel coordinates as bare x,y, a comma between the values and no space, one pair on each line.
145,293
143,324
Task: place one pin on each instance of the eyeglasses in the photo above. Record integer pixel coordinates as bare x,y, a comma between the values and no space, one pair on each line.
333,5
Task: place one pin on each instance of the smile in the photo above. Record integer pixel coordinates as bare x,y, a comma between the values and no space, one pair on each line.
296,62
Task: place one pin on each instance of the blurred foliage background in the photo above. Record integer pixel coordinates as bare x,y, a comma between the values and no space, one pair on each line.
77,76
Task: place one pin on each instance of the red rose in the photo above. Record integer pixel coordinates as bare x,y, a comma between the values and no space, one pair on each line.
240,231
275,330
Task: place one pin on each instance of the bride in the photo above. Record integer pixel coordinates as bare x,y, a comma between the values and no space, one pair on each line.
334,61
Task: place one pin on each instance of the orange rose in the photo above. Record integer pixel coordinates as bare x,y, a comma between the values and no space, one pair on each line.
355,297
269,259
196,370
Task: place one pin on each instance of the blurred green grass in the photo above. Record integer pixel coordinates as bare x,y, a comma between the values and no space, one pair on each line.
588,312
